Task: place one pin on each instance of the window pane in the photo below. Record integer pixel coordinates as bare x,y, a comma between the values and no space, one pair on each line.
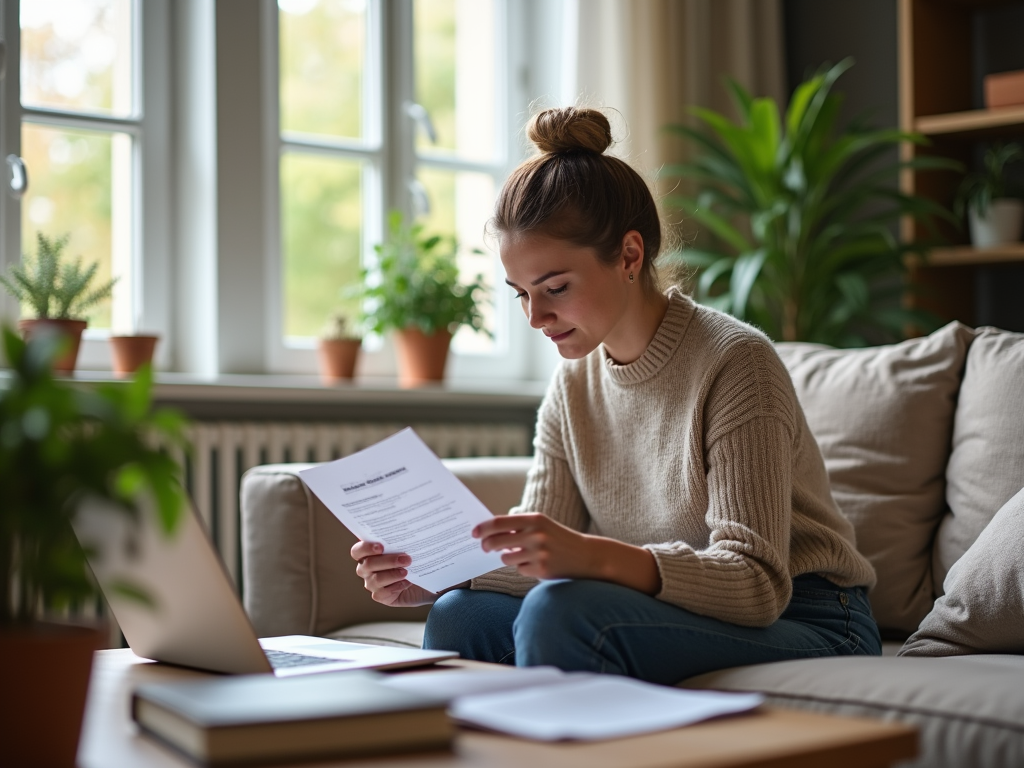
322,56
460,204
454,48
80,186
321,206
77,55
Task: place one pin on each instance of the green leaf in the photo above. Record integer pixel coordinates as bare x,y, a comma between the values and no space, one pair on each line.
714,222
765,132
708,277
740,97
744,275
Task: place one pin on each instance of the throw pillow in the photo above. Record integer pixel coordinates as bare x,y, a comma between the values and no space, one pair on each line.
983,608
986,466
883,418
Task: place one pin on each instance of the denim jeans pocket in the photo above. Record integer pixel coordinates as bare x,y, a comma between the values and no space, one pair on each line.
828,612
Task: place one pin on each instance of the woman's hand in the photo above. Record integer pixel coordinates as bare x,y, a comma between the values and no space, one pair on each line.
541,548
384,576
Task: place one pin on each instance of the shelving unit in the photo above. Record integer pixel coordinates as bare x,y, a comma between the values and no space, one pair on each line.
937,99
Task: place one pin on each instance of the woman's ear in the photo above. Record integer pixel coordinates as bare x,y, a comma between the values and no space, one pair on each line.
632,252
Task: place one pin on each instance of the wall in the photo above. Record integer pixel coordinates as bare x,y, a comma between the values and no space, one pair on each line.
819,31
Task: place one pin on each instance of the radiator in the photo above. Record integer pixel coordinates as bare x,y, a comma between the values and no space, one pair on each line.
223,451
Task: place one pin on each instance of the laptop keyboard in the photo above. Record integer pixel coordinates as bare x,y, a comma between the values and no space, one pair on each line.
284,659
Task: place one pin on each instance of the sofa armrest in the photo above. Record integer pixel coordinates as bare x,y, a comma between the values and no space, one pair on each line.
297,574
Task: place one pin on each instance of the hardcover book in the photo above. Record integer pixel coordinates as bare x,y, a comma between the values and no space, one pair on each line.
252,719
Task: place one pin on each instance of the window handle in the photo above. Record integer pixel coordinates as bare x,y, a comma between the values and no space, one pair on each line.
19,176
3,58
420,198
422,118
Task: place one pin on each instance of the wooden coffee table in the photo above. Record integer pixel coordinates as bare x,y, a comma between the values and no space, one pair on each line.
767,738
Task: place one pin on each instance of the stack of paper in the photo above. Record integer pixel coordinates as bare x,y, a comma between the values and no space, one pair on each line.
545,704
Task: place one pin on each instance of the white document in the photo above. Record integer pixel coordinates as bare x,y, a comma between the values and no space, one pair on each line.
399,494
594,707
468,682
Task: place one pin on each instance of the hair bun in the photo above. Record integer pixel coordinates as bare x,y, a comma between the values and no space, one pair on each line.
570,128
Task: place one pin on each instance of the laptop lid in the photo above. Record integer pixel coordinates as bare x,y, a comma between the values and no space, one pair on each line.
192,615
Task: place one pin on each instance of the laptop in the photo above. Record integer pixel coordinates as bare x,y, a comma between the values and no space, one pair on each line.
190,614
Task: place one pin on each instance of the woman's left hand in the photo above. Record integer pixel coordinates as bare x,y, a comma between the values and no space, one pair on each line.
539,547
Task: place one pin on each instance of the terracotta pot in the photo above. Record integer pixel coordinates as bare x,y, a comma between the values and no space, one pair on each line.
70,329
421,358
45,676
337,359
129,352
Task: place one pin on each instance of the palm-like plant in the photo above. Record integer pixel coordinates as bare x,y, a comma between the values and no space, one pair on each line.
801,218
55,288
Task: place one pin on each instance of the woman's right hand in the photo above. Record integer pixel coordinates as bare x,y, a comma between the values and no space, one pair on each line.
384,576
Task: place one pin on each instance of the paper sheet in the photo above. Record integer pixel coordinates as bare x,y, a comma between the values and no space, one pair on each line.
595,707
398,493
467,682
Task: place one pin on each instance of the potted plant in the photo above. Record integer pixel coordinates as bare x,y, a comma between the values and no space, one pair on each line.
338,349
131,351
58,292
62,444
415,291
802,218
993,214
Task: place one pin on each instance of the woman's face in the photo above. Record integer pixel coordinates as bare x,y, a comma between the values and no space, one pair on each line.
577,301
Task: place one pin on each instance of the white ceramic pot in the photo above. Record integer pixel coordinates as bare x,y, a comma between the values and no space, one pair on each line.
1001,225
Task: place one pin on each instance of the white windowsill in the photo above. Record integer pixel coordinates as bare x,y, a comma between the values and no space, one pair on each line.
277,388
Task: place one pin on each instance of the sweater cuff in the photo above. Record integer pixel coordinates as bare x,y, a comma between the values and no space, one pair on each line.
504,580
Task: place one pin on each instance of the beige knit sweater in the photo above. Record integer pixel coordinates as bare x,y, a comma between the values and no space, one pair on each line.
700,453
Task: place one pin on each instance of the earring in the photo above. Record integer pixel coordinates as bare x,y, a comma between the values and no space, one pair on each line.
631,277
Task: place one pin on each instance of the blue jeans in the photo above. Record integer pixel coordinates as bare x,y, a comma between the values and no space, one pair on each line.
596,626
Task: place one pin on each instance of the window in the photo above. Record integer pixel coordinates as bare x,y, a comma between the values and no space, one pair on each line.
382,106
90,109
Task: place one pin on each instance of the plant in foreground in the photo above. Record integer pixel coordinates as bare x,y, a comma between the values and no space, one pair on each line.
61,444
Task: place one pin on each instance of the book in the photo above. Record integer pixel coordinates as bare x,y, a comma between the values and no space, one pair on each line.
253,719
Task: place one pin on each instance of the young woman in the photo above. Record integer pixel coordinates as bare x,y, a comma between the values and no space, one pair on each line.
677,518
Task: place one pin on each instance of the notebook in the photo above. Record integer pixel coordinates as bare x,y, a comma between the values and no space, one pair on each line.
256,718
192,616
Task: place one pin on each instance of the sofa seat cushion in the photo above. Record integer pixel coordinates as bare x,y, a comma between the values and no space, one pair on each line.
402,634
883,418
969,709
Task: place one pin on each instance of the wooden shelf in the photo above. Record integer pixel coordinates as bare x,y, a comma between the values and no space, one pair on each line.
966,254
973,123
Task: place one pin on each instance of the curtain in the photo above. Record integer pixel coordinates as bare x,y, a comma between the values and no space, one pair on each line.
649,60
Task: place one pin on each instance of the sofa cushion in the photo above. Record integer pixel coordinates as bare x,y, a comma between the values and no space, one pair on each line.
982,610
986,466
969,709
297,574
401,634
883,418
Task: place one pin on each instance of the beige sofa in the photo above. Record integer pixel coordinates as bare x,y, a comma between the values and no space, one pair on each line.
924,443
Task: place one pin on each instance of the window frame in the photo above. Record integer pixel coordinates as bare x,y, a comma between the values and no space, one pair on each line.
149,128
391,165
